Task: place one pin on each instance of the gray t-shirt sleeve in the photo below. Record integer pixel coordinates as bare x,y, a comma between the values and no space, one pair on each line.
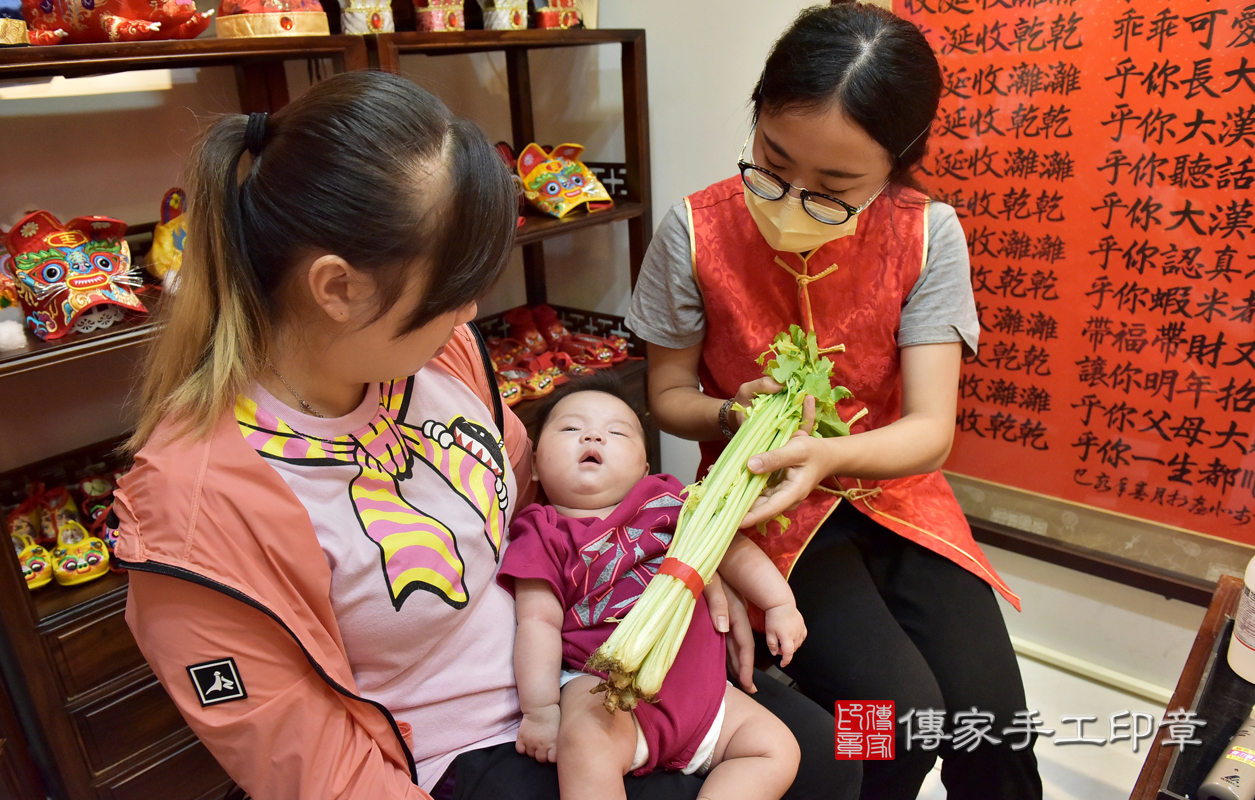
667,306
941,307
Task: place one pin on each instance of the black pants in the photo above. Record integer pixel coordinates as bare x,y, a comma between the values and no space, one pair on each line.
890,620
500,773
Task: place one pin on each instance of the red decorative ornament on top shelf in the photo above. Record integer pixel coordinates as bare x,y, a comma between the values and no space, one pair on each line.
88,21
440,15
363,17
504,15
560,14
243,19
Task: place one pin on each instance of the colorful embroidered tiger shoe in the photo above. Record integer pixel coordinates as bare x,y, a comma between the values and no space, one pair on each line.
505,353
523,328
557,182
95,499
511,393
36,566
533,385
79,556
57,509
72,277
24,520
549,325
588,351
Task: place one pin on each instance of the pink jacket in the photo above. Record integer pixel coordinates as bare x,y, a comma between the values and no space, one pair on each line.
225,565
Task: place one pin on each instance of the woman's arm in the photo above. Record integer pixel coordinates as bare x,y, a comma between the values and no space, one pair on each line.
537,666
293,736
677,403
917,443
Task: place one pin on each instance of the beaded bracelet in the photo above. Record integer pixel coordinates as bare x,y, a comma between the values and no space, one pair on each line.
723,417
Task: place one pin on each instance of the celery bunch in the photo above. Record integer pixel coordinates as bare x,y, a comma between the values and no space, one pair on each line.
644,645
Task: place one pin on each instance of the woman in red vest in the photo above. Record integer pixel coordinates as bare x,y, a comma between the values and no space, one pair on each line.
823,228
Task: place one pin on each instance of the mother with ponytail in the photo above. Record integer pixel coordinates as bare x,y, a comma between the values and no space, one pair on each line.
324,471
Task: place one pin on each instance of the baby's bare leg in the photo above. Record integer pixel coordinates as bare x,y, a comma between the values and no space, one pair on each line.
595,747
756,756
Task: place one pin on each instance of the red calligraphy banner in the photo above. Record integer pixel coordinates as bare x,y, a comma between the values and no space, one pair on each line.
1101,158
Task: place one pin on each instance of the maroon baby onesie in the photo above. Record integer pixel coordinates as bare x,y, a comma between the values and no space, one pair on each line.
598,568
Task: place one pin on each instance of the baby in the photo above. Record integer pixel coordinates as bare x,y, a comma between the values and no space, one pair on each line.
579,565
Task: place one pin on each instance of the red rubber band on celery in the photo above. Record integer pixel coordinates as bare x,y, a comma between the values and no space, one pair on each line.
681,571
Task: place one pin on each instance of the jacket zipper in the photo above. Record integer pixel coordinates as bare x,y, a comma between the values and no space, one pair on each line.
185,574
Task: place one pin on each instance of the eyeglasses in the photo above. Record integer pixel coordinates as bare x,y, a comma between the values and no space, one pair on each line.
770,186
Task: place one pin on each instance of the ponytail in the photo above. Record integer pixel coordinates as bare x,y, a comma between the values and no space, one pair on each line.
327,174
214,332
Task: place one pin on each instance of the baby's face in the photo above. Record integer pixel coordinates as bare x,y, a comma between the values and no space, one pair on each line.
591,452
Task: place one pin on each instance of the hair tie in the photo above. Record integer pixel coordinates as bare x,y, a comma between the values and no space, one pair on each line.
255,132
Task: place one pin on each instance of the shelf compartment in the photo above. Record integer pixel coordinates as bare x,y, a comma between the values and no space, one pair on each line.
139,329
73,60
127,333
536,228
631,372
390,45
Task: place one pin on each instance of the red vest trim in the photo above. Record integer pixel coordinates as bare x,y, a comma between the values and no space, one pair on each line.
850,292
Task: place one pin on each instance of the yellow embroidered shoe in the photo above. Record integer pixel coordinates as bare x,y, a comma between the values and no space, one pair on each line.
79,557
36,566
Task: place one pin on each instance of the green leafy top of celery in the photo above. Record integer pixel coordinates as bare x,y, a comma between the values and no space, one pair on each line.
798,365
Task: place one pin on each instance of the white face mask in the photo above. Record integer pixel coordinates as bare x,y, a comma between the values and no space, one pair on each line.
788,228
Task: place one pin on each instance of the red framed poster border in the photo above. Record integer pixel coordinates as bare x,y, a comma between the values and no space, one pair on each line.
1177,563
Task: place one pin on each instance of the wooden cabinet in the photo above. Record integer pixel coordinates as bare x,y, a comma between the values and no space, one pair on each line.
97,722
19,779
88,719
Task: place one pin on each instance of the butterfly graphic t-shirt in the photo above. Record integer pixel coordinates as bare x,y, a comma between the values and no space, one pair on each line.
409,495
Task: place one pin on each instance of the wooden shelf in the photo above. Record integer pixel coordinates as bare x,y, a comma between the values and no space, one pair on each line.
528,411
452,42
538,228
94,59
139,329
127,333
105,57
53,599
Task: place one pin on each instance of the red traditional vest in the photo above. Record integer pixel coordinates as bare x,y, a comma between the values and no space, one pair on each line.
850,291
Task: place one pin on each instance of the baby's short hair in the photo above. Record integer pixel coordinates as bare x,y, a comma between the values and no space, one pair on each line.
603,381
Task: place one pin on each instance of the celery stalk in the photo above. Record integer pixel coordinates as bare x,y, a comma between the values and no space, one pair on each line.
643,647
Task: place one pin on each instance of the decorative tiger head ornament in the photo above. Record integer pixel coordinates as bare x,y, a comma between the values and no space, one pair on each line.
557,182
76,276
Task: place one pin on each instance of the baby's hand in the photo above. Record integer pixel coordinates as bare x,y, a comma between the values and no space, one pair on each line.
538,734
785,631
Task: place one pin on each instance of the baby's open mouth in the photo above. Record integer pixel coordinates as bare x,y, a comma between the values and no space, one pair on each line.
590,457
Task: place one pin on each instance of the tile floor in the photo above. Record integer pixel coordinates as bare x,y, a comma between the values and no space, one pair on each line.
1075,772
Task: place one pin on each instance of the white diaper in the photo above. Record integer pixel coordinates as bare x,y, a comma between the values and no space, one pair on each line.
705,753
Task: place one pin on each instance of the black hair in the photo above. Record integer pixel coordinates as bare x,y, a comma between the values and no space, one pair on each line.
374,169
603,381
366,166
876,66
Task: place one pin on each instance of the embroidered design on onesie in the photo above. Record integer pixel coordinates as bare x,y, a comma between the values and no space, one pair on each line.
416,550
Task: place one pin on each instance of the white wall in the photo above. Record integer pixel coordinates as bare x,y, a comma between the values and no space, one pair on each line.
704,59
1137,633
